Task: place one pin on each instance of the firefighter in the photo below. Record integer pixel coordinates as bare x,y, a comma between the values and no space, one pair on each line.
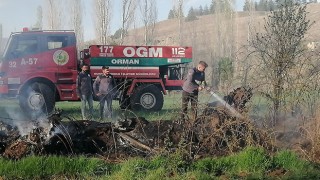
85,91
104,87
194,82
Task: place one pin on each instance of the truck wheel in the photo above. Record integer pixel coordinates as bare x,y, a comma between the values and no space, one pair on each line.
147,97
36,100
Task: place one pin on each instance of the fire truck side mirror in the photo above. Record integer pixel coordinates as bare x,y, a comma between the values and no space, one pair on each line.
84,55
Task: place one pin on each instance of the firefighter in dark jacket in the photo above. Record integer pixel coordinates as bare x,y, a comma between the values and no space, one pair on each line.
194,82
105,88
85,92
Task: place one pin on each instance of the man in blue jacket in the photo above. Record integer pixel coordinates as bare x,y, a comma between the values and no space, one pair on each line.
194,82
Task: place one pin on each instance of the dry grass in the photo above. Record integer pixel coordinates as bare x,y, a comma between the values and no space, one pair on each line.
203,29
309,145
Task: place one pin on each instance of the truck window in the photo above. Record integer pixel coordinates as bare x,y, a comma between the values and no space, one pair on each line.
55,42
27,46
22,46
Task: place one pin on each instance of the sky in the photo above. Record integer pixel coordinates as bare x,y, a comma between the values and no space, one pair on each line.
17,14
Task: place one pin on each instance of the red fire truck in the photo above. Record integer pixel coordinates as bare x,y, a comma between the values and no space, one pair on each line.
40,68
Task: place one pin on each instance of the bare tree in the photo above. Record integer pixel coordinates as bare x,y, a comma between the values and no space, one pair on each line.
102,18
54,14
149,13
178,6
38,24
223,46
128,13
244,66
280,50
76,21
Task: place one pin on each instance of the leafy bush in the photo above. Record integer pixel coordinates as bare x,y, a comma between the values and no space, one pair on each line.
253,160
289,160
214,166
296,167
134,168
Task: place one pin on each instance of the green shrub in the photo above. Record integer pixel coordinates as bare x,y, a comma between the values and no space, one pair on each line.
195,175
155,174
158,161
134,168
252,160
178,162
289,161
214,166
296,167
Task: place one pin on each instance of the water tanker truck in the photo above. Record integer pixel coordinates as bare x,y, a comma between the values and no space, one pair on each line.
40,68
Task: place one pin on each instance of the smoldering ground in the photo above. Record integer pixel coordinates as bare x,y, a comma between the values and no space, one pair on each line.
216,131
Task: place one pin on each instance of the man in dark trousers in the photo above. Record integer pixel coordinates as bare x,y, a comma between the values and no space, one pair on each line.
84,91
194,82
105,88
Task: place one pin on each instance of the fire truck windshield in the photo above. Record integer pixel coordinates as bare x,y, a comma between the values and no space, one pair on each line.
19,46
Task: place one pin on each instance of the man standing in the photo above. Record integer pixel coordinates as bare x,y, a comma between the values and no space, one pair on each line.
105,88
194,82
84,91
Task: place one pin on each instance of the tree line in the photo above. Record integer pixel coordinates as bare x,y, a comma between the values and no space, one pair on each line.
201,10
193,12
270,5
261,5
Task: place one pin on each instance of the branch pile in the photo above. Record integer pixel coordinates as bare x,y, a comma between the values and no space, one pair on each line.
216,132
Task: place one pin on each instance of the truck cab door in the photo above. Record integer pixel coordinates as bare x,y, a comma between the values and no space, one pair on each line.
60,51
20,59
62,56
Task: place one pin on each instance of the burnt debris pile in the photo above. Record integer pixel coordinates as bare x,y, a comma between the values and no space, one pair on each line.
217,131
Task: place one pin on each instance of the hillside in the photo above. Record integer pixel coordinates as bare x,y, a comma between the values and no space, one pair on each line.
202,33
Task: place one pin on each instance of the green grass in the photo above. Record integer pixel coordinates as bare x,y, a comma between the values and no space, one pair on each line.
251,163
171,108
39,167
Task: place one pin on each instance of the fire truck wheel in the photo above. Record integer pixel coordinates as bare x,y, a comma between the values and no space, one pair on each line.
147,97
37,99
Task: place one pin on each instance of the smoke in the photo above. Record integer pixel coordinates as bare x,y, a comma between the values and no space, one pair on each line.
24,124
